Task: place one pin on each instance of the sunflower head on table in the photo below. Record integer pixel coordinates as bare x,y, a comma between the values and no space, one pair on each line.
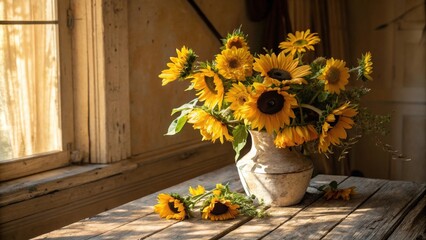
300,103
216,204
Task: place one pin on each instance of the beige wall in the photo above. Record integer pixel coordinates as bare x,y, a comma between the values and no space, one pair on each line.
399,86
156,29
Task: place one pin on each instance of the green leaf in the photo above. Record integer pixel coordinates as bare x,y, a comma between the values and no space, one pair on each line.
333,184
187,106
323,96
177,124
240,134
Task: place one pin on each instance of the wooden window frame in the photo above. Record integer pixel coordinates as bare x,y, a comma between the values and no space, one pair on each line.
94,83
101,76
16,168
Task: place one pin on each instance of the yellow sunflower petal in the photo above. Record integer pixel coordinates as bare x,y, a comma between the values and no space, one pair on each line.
335,76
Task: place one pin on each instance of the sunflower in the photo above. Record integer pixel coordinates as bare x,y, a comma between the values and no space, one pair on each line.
335,125
171,207
237,95
236,39
210,127
220,209
365,68
197,191
180,67
281,68
296,135
235,63
209,86
237,42
300,42
335,75
269,108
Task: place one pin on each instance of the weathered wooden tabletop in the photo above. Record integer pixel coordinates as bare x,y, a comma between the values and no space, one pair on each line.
381,209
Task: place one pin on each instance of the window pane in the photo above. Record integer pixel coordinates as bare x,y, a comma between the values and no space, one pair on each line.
29,89
28,10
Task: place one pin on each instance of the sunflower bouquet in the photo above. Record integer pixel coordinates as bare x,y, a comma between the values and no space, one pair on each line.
217,204
300,103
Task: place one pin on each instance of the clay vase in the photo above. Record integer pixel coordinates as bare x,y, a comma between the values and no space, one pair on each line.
279,176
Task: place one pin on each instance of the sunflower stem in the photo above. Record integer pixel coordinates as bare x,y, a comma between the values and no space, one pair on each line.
301,114
315,96
355,69
303,105
197,198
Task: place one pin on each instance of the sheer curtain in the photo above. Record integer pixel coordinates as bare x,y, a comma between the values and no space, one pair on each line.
29,74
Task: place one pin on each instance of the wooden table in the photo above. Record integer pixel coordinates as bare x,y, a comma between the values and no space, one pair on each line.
381,209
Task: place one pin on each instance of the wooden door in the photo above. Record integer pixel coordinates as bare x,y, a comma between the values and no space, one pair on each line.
399,86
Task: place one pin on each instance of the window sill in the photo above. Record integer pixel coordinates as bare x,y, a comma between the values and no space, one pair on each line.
25,188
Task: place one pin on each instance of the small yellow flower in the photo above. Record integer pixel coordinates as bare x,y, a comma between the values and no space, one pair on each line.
197,191
218,190
299,43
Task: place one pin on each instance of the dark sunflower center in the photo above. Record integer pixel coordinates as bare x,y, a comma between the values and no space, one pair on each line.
219,208
236,44
270,102
242,99
279,74
172,207
300,42
337,117
210,84
233,63
333,75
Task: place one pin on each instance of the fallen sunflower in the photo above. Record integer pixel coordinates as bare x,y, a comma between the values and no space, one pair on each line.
171,206
220,209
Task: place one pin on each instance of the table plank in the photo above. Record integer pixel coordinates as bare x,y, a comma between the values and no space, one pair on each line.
197,228
137,210
138,229
380,209
414,224
380,214
319,218
259,227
